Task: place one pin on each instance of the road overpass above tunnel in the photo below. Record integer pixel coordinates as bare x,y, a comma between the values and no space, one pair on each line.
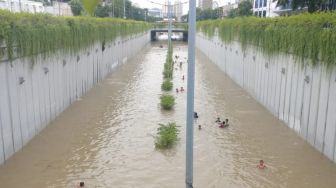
154,32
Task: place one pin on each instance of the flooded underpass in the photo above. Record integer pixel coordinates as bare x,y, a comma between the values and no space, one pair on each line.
107,139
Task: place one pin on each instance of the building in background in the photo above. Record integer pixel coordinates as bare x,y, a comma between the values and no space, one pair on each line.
155,12
58,9
22,6
227,8
205,4
178,10
265,8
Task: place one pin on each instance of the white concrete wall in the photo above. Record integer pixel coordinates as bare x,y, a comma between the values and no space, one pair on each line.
303,97
50,86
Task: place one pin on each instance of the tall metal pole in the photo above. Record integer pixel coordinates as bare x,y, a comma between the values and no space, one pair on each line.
190,93
170,24
124,9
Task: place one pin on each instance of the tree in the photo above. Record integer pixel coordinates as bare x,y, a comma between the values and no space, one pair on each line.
245,8
90,6
233,13
102,11
76,7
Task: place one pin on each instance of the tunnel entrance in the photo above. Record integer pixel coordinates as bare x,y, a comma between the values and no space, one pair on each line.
156,32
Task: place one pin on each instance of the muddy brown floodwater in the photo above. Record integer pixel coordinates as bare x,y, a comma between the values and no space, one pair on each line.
107,138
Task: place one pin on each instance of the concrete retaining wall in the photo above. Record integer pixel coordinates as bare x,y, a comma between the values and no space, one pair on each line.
32,95
303,97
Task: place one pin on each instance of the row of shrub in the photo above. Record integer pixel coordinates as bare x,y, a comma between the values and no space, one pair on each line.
311,36
167,100
169,64
25,34
167,135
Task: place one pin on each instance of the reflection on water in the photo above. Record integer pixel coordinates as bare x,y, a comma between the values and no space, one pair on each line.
107,138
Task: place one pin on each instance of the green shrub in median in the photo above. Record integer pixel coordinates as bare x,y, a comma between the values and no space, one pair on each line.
169,65
167,136
167,85
167,101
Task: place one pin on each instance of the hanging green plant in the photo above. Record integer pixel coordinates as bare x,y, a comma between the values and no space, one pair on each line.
311,36
30,35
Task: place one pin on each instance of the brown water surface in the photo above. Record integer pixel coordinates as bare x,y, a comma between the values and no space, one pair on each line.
107,138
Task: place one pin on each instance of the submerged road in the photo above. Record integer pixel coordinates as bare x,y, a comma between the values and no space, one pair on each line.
107,138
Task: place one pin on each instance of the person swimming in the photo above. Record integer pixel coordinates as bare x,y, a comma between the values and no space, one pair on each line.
261,164
199,127
218,120
195,115
223,125
182,89
183,77
177,90
81,184
227,122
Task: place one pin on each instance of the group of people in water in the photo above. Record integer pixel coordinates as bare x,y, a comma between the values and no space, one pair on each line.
181,90
224,124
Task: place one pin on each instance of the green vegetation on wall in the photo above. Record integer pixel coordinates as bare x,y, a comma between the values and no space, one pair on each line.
311,36
29,35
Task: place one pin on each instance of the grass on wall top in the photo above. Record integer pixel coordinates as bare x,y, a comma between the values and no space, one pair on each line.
311,36
31,34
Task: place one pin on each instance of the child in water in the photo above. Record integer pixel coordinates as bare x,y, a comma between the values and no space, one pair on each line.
182,89
218,120
261,164
81,184
199,127
177,90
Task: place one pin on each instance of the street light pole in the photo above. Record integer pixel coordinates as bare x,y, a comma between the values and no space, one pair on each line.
190,93
170,24
124,9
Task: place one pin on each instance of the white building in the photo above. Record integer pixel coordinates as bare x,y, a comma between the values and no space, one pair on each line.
266,8
155,12
178,9
205,4
59,9
227,8
22,6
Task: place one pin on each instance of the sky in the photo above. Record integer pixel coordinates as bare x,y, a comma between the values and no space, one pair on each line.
148,4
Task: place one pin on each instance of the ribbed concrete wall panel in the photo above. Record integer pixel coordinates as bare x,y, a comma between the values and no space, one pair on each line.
35,92
329,138
314,105
6,135
302,96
